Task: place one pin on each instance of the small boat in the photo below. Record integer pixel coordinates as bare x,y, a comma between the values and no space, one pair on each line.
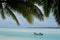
38,33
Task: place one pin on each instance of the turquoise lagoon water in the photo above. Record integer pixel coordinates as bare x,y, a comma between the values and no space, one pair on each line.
28,36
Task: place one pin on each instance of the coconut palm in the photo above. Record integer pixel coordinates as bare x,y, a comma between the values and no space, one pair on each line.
57,11
10,13
28,8
53,5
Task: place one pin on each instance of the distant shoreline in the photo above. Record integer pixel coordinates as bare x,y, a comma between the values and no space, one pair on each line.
29,30
45,27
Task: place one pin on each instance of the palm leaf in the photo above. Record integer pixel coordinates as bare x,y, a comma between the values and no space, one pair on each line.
12,15
39,14
2,14
47,7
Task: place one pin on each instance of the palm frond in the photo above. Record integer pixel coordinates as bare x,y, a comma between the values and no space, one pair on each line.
2,14
12,15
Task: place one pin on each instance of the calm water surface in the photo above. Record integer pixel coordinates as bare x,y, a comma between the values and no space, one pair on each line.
28,35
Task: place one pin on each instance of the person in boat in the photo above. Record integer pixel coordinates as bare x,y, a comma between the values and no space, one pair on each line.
38,33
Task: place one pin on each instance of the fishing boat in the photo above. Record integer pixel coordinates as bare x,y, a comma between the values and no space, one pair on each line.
38,33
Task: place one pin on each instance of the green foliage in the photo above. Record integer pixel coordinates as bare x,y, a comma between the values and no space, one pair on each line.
2,14
28,9
12,15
